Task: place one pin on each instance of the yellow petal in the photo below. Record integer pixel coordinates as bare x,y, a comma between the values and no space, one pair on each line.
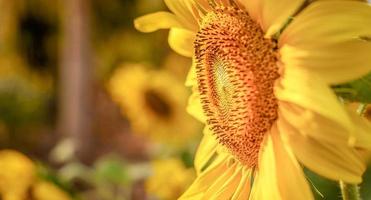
331,38
337,162
184,10
315,125
325,129
204,5
280,176
224,179
191,79
205,151
288,169
194,107
155,21
181,41
225,184
253,7
243,190
272,14
206,178
362,137
305,89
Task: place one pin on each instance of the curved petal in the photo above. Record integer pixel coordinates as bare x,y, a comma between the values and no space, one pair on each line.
191,79
337,162
363,130
225,184
272,14
155,21
307,90
280,175
243,190
181,41
331,38
204,5
323,129
206,178
184,10
265,179
194,106
206,150
223,179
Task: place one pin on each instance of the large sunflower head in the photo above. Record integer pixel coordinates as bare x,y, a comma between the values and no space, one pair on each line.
235,84
154,103
260,78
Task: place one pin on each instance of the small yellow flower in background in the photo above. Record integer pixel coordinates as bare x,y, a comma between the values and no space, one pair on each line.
260,79
17,174
154,102
18,180
169,180
43,190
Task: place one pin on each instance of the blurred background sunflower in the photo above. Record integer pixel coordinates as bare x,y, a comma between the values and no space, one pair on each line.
89,105
154,102
92,109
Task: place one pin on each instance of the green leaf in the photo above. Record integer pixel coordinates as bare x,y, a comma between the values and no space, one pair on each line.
111,169
358,90
187,158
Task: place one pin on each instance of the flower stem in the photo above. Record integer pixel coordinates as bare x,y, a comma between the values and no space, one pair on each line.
350,191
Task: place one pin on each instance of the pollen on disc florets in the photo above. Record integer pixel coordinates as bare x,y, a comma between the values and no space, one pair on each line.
236,70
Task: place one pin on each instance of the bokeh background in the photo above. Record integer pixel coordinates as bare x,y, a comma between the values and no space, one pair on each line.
92,109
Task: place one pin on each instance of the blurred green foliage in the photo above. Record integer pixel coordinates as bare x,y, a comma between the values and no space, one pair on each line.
21,102
111,170
358,90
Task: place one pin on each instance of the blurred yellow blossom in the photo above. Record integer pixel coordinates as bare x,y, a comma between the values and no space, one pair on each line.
18,180
17,173
154,102
170,179
43,190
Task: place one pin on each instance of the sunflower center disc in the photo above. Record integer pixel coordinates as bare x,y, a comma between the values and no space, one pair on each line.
236,70
157,104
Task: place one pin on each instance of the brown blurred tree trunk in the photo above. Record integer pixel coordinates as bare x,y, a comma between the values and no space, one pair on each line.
75,78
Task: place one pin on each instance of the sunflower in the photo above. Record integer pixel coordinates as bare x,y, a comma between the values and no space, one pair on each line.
260,78
154,103
164,187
